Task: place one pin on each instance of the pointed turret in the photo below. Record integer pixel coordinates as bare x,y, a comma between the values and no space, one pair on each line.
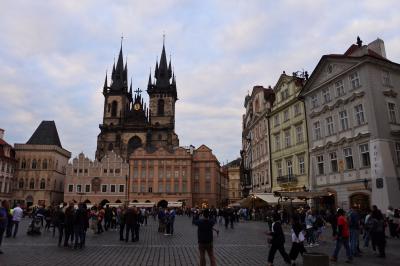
156,70
105,85
149,82
169,68
173,80
120,62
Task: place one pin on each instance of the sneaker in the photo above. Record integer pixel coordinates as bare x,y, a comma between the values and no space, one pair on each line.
333,259
316,244
312,245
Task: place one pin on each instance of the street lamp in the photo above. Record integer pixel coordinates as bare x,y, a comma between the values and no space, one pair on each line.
366,181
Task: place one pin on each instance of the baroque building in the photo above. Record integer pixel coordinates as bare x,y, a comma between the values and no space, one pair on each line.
41,166
255,141
7,169
352,109
288,136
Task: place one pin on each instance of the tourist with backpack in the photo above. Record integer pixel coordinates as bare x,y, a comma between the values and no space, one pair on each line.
342,237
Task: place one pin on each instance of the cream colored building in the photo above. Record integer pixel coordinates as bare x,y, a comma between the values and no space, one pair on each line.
97,182
41,167
288,136
232,170
7,168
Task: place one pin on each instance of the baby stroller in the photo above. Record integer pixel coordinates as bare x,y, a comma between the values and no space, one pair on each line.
35,226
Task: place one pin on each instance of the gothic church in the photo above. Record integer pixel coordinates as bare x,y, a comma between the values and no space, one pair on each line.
127,122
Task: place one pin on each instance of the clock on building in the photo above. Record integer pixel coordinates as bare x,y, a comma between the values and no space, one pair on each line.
136,106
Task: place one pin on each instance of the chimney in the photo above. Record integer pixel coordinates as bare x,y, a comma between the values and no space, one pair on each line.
1,133
378,46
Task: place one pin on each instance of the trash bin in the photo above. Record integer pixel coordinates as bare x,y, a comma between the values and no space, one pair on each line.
314,259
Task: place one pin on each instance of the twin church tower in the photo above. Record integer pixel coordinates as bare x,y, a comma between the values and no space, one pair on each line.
127,122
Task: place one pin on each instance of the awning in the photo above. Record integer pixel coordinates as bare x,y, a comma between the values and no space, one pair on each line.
302,194
267,197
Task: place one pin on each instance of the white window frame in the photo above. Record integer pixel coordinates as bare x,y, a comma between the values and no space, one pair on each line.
277,138
364,149
392,112
386,81
279,168
347,154
296,109
286,115
330,127
119,188
317,130
320,162
299,134
69,186
397,150
334,160
339,88
326,95
104,185
359,114
314,101
344,120
276,120
287,138
90,188
302,168
354,80
289,167
115,188
80,188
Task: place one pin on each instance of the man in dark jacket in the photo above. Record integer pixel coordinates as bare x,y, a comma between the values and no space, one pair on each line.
80,226
277,241
131,224
3,220
69,223
205,238
59,222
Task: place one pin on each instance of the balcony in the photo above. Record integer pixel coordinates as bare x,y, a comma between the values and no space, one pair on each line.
287,180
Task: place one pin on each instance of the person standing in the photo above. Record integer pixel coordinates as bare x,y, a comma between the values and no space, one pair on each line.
60,223
297,240
69,223
172,220
17,217
129,224
378,232
136,224
310,220
121,218
277,242
3,220
205,238
342,237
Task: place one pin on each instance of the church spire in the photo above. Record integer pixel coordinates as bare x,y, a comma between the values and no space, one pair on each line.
120,62
163,74
169,67
105,85
149,83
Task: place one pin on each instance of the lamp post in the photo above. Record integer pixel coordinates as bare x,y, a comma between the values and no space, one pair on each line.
365,181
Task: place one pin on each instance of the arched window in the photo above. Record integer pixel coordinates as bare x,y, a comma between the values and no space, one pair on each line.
44,164
110,146
108,107
42,183
160,107
32,184
23,164
114,107
21,183
34,164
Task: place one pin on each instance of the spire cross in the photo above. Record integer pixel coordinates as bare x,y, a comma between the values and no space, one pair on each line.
163,36
122,37
138,91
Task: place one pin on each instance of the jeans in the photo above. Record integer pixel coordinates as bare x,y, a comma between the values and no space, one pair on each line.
339,242
310,236
366,238
1,234
79,235
61,228
15,224
203,248
121,231
354,241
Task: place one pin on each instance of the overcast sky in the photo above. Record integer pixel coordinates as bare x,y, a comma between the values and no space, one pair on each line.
54,55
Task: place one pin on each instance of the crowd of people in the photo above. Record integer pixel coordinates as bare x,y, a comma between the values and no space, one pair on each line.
73,221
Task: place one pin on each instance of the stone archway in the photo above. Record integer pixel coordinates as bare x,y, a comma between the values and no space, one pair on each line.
360,200
104,202
29,201
134,143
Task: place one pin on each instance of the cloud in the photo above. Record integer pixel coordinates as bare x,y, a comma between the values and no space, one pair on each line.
53,57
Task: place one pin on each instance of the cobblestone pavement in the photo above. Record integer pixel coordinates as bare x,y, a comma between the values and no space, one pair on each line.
244,245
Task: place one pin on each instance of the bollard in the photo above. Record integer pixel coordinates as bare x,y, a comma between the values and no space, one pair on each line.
314,259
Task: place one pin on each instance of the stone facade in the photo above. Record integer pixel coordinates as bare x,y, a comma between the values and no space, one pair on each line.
288,136
352,108
232,170
41,167
97,181
255,143
7,169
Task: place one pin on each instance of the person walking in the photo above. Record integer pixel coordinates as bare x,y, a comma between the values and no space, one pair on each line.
172,215
378,232
205,238
121,218
342,237
277,242
297,240
131,223
60,223
18,213
354,225
3,220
